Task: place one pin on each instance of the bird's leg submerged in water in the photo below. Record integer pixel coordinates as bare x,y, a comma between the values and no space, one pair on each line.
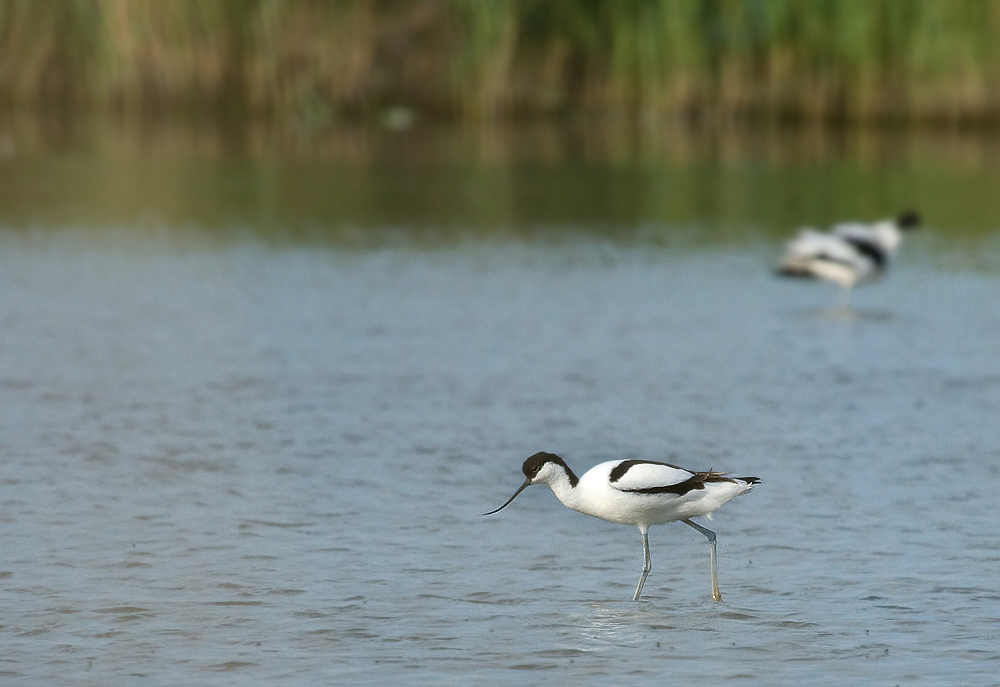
647,564
710,535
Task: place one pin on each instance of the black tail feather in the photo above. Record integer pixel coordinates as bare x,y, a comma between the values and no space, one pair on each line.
908,220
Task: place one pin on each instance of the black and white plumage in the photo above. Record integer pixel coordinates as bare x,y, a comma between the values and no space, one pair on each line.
640,493
850,254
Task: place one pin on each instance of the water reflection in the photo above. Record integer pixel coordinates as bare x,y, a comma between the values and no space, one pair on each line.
610,624
840,313
351,185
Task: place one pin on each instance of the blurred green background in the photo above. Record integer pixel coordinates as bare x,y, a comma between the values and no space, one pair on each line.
363,120
311,60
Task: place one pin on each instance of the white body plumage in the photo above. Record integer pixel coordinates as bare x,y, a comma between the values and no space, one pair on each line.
628,500
848,255
638,492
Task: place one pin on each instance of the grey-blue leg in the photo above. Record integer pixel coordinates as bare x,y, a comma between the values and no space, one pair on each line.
647,564
710,535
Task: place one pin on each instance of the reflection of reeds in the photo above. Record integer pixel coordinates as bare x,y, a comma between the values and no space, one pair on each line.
314,60
358,183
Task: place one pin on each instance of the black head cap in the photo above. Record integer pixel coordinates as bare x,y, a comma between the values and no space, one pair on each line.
534,465
908,220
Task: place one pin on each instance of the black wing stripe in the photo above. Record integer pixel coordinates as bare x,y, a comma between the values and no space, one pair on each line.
869,249
696,481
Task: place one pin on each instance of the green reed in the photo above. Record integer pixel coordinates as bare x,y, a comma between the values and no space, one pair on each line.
315,60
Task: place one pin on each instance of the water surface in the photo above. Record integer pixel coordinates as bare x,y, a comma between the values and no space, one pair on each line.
246,464
236,451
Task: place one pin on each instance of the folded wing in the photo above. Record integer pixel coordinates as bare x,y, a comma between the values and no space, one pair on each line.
648,477
812,245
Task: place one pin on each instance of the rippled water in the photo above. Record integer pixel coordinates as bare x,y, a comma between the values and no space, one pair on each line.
241,465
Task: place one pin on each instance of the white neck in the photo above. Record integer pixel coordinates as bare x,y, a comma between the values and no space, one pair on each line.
561,481
889,235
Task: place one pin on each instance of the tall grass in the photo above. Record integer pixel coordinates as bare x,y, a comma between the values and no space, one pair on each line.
824,60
